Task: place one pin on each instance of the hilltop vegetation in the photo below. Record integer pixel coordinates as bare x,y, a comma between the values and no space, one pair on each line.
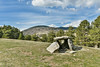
19,53
85,34
9,32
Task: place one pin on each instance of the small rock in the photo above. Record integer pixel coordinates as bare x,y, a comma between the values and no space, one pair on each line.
74,55
72,52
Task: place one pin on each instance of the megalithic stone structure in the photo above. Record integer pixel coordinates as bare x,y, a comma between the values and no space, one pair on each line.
57,44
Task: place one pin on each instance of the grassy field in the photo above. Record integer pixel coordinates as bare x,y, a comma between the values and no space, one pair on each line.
19,53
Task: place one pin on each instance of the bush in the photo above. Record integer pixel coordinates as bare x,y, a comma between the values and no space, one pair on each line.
27,37
44,38
34,37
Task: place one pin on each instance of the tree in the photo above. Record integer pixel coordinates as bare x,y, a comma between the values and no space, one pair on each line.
44,38
82,32
1,34
7,34
34,37
51,36
27,37
10,32
21,36
70,32
95,33
15,33
96,23
95,37
60,33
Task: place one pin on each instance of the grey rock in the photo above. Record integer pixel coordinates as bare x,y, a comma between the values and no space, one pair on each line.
72,52
53,47
70,44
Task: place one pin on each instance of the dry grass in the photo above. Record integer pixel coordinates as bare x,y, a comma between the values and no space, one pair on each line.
19,53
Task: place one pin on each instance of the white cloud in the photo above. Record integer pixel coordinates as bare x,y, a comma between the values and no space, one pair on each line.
72,9
74,23
98,9
28,23
48,11
28,2
1,25
65,3
47,3
52,25
20,0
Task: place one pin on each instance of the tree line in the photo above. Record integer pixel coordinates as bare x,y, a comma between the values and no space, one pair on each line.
85,34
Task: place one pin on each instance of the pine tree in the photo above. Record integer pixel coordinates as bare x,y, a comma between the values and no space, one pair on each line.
1,34
15,33
96,23
82,33
10,32
60,33
51,36
70,32
95,33
7,34
21,36
44,38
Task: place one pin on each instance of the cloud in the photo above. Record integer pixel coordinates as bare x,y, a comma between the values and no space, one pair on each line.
65,3
20,0
47,3
98,9
28,23
1,25
28,2
72,9
74,23
52,25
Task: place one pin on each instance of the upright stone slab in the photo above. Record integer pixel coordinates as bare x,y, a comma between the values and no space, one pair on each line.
70,44
54,46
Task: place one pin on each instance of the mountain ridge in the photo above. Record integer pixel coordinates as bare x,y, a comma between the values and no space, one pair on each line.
42,29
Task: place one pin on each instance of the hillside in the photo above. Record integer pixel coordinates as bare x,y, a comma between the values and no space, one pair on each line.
42,29
22,53
39,30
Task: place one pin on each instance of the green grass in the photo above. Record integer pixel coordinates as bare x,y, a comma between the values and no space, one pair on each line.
19,53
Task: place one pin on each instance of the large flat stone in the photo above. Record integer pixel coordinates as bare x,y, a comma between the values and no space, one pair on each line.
62,38
54,46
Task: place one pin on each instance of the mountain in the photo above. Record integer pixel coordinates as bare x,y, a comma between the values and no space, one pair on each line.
42,29
65,28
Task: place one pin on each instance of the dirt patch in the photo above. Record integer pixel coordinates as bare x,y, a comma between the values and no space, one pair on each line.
52,64
47,58
26,53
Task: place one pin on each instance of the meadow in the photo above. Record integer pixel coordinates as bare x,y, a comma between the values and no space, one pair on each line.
23,53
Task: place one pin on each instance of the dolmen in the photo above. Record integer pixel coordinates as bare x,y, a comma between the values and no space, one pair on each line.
61,43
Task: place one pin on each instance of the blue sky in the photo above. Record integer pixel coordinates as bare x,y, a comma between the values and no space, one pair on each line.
27,13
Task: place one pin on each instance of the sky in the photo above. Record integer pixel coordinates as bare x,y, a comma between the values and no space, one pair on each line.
24,14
